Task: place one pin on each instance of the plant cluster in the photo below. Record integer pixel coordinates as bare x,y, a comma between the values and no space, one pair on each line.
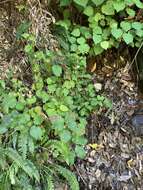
100,25
42,126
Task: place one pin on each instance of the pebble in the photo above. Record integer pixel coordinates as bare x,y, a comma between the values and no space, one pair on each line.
137,123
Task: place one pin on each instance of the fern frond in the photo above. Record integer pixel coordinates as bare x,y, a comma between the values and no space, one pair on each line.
31,145
50,183
26,165
61,148
22,144
69,176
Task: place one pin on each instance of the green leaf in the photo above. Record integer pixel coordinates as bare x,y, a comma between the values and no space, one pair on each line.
97,38
57,70
65,136
83,48
119,5
139,33
20,106
117,32
138,3
80,151
9,101
97,30
89,11
64,23
98,16
82,3
98,49
126,26
31,100
137,25
98,2
128,38
3,129
105,44
76,32
64,2
74,47
64,108
108,9
38,120
130,12
58,124
36,132
81,40
28,48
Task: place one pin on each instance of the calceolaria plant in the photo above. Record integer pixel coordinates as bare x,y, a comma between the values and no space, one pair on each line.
42,126
100,25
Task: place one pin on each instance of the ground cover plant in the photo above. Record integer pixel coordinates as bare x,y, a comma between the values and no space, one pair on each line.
100,25
43,119
43,126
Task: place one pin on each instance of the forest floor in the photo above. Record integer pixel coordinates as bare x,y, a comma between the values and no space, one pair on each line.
115,149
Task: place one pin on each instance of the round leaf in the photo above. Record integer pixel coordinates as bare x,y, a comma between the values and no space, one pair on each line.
64,108
76,32
117,33
89,11
57,70
65,136
128,38
36,132
104,44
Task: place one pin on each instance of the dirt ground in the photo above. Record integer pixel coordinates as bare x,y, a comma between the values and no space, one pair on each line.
115,152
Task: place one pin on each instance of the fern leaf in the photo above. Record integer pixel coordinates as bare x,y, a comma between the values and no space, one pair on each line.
31,145
50,182
26,165
22,144
69,176
62,148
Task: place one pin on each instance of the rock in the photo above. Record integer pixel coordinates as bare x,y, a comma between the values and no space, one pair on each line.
137,123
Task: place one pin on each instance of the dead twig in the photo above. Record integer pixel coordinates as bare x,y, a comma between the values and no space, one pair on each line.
80,175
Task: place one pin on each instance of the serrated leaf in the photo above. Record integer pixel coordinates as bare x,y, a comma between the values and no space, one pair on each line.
97,30
98,49
108,9
36,132
98,2
97,38
137,25
139,33
138,3
89,11
81,40
126,26
80,151
130,12
76,32
105,44
119,5
82,3
117,32
83,48
57,70
58,124
128,38
65,136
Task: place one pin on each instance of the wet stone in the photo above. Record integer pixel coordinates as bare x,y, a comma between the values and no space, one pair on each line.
137,123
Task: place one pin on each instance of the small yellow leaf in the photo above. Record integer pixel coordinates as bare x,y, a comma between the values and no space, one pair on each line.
130,163
93,68
96,146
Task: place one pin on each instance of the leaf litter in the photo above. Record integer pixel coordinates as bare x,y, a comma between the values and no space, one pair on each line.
115,151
